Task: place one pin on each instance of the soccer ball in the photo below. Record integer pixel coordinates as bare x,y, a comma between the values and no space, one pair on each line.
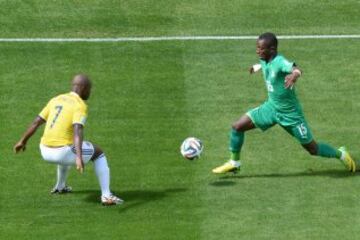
191,148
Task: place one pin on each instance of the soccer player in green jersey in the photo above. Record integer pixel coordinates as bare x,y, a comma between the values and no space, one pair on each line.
282,108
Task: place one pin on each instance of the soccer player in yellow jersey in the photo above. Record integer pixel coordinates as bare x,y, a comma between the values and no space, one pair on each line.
62,142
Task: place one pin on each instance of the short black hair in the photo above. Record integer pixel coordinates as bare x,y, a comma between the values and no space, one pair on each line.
270,38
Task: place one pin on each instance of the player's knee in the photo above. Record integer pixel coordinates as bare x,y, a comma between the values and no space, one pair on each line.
244,124
312,150
97,152
237,127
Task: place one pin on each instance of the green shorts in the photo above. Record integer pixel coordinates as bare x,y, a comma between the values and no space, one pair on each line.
266,116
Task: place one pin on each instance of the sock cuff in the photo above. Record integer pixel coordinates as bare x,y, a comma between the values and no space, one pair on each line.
234,131
100,156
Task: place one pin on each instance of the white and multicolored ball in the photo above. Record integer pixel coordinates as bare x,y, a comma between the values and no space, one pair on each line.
191,148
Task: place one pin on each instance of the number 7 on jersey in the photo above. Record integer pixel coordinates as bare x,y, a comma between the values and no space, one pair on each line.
58,111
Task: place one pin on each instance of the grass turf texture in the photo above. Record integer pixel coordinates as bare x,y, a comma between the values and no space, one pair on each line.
147,98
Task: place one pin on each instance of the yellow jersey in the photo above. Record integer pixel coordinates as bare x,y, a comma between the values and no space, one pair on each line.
60,114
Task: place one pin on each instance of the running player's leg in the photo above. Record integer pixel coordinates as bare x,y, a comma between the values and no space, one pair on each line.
237,135
321,149
328,151
303,134
262,117
103,173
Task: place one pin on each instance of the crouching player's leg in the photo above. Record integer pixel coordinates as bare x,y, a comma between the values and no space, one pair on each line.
65,156
303,133
103,174
60,186
59,156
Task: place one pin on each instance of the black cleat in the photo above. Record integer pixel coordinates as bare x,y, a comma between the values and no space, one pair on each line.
66,189
235,171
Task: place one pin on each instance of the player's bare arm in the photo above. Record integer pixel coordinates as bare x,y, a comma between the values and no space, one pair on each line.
21,144
78,140
291,78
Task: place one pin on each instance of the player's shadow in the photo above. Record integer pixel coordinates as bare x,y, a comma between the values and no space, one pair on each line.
308,173
222,183
137,198
133,198
91,195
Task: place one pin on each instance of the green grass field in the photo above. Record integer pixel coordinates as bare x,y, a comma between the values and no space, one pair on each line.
149,96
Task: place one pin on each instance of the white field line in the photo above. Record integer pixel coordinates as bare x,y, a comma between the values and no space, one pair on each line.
174,38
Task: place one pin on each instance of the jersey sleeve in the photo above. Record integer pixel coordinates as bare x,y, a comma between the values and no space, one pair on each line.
80,115
44,114
285,65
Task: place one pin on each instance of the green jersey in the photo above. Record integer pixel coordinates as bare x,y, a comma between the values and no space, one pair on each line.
274,72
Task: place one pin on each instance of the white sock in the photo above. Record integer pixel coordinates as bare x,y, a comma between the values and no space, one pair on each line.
343,155
62,172
235,163
103,173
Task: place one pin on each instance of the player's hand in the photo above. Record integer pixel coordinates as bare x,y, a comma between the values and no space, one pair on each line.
79,164
254,68
290,80
20,146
